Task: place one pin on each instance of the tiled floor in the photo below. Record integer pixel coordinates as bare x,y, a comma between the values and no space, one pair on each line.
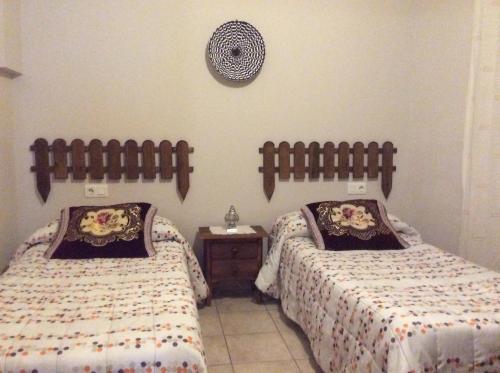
241,336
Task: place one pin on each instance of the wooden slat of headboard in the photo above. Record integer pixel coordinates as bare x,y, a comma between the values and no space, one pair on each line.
166,165
299,161
343,167
78,159
329,160
42,165
269,169
60,159
182,166
313,160
387,155
358,160
131,160
96,163
114,154
284,160
148,160
372,160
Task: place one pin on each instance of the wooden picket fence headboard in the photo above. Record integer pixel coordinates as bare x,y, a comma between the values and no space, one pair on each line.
350,160
90,159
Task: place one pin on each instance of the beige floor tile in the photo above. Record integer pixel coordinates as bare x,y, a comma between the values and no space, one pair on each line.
247,322
308,366
237,304
210,324
207,310
216,350
287,366
283,323
275,313
298,344
272,306
248,348
271,303
220,369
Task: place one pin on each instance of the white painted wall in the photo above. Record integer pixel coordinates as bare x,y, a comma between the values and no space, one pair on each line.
441,33
334,70
10,46
8,212
10,57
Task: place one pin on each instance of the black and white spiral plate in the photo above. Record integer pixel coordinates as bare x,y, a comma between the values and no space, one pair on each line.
237,50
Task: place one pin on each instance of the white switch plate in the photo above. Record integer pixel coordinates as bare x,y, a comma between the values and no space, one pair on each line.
356,187
96,190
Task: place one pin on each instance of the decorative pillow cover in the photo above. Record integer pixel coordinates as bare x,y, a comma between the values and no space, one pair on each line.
359,224
116,231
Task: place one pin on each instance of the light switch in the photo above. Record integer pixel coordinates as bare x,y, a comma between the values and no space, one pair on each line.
356,187
96,190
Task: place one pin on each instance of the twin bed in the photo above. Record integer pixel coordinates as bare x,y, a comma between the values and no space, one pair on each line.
414,310
102,315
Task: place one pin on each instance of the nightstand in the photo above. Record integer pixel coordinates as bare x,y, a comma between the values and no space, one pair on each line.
232,256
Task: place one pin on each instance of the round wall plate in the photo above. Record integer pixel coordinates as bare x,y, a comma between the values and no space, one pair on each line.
237,50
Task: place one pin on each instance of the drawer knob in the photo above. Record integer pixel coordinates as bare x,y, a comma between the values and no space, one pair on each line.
234,251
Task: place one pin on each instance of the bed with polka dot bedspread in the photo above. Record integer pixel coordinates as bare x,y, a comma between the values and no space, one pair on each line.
415,310
102,315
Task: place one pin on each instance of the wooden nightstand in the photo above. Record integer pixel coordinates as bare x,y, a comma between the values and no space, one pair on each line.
231,257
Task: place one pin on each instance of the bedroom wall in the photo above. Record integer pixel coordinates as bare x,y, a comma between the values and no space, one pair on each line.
8,237
10,60
334,70
10,45
441,34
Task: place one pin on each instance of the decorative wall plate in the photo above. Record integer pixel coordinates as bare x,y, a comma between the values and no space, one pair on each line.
237,50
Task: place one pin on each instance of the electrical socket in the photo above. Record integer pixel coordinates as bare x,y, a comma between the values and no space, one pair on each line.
96,190
356,187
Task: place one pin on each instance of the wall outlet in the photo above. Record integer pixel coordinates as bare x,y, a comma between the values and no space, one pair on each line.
356,187
96,190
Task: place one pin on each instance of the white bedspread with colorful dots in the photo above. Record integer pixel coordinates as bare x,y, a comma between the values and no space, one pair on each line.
102,315
415,310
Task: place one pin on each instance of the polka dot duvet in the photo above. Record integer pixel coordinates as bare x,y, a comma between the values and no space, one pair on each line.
102,315
420,309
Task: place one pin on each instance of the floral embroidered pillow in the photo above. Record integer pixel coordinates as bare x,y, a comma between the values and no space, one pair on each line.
116,231
351,225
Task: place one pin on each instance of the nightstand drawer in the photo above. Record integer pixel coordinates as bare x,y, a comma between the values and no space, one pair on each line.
235,269
234,250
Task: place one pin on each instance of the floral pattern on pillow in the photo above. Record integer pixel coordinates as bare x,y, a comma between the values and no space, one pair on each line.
360,224
346,218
